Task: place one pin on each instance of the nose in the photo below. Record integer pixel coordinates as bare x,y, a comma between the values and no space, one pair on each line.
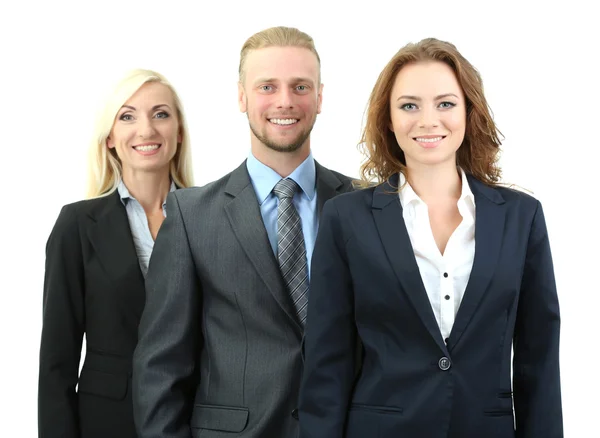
146,128
428,118
285,98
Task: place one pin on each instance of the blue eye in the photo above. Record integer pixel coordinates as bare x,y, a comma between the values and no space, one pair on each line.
408,107
266,87
302,88
446,105
162,115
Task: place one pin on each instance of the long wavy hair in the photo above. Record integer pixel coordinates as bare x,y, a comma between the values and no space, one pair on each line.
479,152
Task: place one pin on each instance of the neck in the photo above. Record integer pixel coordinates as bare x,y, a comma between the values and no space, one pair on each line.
150,189
284,163
435,183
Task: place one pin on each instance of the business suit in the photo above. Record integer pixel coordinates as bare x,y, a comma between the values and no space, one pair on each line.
366,284
219,345
93,285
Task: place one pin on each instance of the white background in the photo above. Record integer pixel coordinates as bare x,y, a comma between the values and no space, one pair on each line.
58,58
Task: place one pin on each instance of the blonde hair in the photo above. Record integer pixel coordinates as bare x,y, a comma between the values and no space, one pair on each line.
105,170
277,37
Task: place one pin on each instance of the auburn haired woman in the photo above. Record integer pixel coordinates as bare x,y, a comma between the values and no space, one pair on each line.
437,270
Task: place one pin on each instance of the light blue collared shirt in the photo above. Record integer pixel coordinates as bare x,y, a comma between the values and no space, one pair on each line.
138,223
264,179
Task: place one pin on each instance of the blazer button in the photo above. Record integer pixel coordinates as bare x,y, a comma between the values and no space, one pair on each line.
444,364
295,414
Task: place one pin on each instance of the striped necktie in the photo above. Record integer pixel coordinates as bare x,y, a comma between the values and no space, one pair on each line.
291,251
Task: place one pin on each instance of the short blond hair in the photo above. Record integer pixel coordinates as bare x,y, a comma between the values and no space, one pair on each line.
105,170
279,36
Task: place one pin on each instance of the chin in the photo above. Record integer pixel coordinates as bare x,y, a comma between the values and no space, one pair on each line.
284,147
439,162
431,160
152,167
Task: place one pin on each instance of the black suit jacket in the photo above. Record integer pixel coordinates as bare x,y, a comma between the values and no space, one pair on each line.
366,283
93,285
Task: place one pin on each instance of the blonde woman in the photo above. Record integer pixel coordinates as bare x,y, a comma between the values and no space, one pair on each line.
97,257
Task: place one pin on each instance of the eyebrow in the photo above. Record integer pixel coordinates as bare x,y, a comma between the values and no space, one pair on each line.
155,107
296,79
441,96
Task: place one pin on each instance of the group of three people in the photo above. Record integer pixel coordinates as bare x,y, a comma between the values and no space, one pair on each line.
400,319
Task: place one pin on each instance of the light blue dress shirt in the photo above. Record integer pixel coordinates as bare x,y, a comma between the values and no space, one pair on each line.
305,200
138,223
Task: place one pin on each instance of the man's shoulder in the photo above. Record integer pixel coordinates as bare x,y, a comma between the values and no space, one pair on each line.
209,193
209,189
347,180
347,183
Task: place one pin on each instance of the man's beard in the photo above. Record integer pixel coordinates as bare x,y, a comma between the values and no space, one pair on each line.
289,146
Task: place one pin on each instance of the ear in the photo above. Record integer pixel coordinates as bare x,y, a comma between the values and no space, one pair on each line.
242,99
110,143
320,98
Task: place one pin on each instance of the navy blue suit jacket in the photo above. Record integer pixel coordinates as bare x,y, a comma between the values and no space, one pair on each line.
366,286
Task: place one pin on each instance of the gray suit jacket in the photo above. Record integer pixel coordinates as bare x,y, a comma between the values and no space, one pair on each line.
219,350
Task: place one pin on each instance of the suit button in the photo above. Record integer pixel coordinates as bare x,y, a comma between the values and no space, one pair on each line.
444,364
295,413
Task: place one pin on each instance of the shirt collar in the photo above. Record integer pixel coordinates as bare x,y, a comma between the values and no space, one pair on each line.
125,195
466,192
408,195
264,178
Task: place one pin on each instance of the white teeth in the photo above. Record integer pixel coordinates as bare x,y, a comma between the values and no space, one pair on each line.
428,140
146,148
284,121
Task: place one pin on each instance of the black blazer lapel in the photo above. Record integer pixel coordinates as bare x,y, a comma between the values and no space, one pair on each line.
244,215
490,215
112,240
387,212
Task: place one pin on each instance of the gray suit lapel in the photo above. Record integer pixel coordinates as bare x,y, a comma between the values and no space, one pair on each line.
328,185
244,215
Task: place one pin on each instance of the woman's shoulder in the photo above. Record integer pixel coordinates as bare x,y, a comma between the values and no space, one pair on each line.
85,206
359,199
71,214
510,194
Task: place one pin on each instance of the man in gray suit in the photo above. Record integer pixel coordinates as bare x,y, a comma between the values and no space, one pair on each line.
219,352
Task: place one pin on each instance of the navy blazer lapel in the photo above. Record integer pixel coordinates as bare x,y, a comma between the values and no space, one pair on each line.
246,221
387,212
490,215
112,240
